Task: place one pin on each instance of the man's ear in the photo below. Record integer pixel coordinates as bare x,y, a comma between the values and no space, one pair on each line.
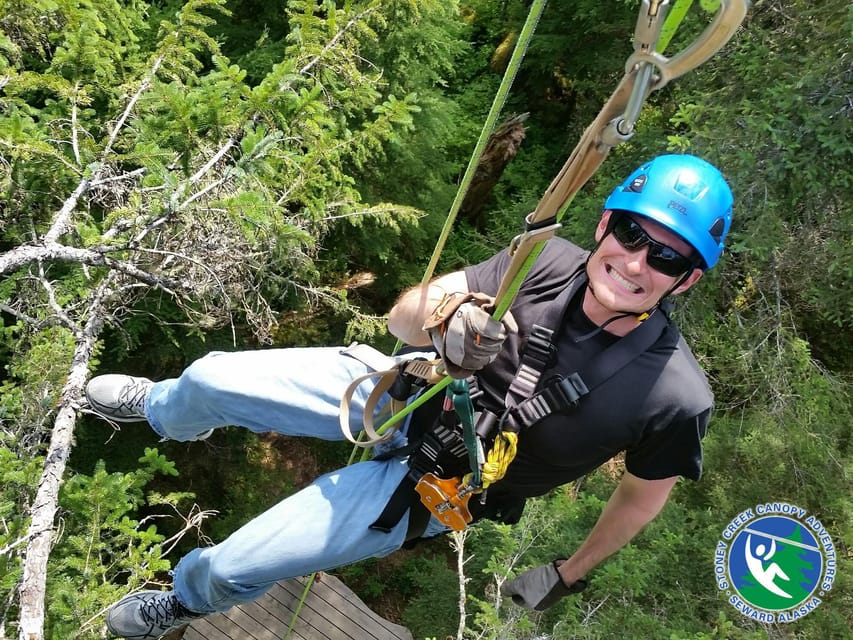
691,280
602,225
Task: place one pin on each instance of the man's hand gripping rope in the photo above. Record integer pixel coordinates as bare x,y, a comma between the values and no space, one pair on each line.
464,333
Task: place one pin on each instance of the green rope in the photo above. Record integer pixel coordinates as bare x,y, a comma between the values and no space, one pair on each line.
299,604
673,21
670,25
513,65
497,105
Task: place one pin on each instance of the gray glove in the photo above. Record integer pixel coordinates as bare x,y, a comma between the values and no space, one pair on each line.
540,588
465,335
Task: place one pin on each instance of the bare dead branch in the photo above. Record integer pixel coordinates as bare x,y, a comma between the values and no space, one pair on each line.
146,83
63,317
5,308
130,175
334,41
43,512
74,144
225,148
61,223
19,257
192,522
457,543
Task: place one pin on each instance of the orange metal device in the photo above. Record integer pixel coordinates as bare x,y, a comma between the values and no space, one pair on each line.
447,499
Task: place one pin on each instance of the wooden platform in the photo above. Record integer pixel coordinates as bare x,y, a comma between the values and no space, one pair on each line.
331,611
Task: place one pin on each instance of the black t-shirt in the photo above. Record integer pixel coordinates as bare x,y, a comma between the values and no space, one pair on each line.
656,408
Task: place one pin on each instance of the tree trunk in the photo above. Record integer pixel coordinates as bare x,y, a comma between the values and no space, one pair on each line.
502,146
43,512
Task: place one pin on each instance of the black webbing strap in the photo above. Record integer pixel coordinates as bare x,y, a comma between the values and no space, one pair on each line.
404,498
539,352
421,430
524,406
564,392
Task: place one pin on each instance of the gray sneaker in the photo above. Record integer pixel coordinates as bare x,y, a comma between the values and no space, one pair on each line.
119,397
147,615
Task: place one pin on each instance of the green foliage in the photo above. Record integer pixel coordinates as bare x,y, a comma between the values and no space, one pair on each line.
782,137
103,548
103,544
301,156
770,325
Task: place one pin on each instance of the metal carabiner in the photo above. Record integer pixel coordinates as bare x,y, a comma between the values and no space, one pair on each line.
646,36
653,70
713,38
649,24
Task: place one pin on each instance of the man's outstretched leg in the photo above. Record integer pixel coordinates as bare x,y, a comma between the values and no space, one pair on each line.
324,526
295,392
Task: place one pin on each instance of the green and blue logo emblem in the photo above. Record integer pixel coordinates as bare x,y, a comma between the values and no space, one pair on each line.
775,562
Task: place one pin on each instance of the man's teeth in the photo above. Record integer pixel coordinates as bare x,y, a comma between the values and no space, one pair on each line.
625,283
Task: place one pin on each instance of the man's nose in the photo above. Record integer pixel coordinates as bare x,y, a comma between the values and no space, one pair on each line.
636,261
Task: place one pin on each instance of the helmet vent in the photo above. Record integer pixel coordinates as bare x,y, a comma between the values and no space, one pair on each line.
717,229
637,184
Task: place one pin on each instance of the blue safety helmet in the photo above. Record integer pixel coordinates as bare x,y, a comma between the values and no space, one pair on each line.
684,194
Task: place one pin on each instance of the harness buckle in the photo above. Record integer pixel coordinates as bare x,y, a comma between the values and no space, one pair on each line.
534,232
447,499
540,348
572,388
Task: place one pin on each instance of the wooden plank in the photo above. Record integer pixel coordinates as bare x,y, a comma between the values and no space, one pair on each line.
201,629
331,611
228,627
279,616
280,604
328,594
340,598
252,628
313,623
397,631
275,626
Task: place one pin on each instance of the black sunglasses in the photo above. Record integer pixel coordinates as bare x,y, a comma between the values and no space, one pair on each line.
660,257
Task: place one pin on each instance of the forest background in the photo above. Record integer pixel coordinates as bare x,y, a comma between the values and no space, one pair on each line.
184,177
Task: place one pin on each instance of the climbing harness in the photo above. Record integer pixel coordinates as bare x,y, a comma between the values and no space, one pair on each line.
446,496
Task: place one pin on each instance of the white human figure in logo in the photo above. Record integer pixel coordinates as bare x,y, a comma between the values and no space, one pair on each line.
755,563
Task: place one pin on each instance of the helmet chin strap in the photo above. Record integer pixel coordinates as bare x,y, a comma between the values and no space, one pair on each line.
625,314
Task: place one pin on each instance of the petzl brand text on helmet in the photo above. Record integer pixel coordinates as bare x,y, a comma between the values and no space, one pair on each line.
684,194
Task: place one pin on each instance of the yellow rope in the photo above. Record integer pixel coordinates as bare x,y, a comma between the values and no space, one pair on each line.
499,457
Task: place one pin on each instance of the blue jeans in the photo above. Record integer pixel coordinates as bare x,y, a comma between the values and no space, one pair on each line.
295,392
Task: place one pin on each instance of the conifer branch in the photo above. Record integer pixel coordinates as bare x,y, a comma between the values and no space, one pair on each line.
143,87
335,39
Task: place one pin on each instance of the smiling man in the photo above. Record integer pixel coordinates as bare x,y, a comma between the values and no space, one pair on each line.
659,231
612,375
